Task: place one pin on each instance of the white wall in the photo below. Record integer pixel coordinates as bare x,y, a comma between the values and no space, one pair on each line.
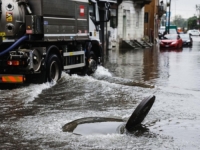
134,21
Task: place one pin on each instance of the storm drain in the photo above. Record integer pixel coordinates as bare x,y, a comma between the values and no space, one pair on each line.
94,125
101,125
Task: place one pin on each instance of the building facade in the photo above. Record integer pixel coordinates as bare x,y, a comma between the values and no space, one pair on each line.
130,21
153,13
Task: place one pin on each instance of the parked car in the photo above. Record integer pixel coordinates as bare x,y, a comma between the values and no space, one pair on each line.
187,39
171,41
193,32
162,29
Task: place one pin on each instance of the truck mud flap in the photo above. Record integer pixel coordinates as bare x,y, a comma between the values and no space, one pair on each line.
12,78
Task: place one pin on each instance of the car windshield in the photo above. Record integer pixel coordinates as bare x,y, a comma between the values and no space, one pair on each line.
171,36
172,31
185,36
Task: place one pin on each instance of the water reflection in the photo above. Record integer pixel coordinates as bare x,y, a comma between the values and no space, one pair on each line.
157,66
137,64
97,128
162,50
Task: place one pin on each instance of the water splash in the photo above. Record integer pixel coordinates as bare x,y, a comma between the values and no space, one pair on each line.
101,71
25,94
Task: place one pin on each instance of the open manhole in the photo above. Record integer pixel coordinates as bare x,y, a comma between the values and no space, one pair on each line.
101,125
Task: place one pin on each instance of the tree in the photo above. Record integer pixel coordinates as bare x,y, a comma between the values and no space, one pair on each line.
192,23
179,21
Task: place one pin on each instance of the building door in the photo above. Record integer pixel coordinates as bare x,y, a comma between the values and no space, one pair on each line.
124,27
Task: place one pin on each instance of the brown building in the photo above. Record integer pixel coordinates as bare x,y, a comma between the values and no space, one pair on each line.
152,15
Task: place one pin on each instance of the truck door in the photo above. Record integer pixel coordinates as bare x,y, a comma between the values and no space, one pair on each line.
93,19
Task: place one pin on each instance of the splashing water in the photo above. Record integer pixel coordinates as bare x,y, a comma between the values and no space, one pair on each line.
101,71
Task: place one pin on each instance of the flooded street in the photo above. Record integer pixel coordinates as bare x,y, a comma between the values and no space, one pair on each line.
32,117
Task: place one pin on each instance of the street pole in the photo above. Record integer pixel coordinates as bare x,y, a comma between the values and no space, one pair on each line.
175,19
169,16
198,17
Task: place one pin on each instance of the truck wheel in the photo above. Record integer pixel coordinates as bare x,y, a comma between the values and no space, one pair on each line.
53,68
91,64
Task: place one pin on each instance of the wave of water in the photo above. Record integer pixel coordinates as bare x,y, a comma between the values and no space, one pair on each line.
24,94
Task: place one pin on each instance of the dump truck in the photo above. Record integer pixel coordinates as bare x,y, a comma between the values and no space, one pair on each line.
40,39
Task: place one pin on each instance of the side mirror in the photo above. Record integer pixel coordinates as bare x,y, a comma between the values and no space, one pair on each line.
107,12
107,16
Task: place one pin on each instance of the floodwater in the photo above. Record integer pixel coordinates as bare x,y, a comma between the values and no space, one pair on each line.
32,117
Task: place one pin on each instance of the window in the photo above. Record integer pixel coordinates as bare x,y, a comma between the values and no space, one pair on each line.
146,17
113,21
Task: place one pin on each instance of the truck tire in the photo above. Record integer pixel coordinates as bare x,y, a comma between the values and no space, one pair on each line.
53,68
92,63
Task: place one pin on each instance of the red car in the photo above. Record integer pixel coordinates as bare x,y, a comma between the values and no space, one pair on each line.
171,41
